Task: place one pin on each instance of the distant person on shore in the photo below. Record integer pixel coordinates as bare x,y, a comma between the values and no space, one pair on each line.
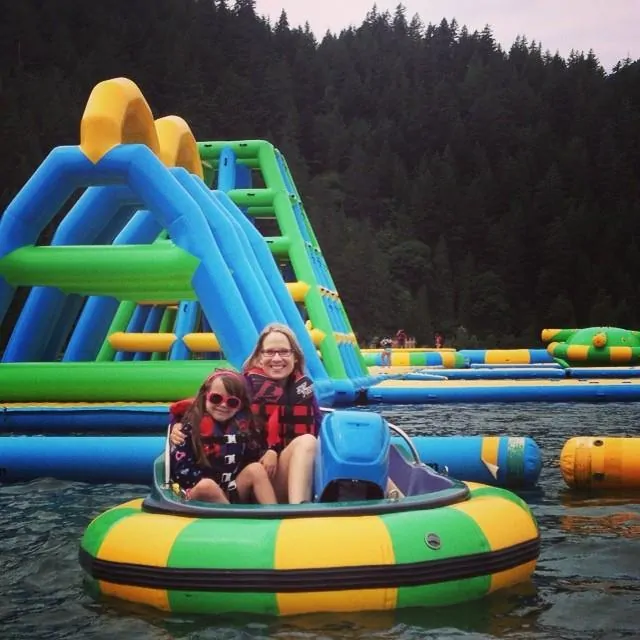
385,357
401,339
438,339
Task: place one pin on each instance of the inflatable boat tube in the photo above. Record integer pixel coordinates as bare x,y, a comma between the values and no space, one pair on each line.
438,542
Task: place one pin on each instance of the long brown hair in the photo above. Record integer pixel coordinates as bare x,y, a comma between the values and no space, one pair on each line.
276,327
234,384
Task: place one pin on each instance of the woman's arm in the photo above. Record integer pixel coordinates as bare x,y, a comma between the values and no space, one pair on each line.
317,414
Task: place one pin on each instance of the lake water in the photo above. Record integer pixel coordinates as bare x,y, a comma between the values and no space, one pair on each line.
586,586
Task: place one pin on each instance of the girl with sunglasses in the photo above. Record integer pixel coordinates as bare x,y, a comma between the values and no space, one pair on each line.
283,397
217,460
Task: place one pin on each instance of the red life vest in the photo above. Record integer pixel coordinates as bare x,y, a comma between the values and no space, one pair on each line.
227,447
288,411
211,440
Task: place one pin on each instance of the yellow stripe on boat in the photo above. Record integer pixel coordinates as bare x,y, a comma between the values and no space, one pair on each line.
128,542
318,543
504,524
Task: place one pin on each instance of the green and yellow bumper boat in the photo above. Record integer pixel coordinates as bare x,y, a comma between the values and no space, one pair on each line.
438,542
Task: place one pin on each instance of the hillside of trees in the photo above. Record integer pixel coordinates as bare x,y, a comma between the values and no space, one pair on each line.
453,185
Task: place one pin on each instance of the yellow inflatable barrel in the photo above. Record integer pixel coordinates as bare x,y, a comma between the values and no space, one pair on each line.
591,462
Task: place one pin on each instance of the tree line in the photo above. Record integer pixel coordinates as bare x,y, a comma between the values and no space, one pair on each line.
454,185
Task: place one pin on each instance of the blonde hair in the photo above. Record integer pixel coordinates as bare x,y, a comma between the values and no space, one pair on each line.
276,327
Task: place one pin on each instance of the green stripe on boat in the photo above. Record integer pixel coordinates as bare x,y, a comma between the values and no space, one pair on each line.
240,544
437,535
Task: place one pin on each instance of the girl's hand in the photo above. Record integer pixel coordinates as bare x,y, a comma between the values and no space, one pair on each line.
176,437
270,462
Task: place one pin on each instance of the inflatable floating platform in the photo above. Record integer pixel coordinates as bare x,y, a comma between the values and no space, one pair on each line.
552,389
438,542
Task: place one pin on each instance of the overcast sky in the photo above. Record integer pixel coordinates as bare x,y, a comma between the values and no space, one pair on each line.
610,27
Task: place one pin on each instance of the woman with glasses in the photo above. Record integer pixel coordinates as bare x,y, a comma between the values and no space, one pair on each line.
284,399
217,460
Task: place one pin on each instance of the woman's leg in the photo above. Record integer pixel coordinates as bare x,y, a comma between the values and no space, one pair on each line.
294,478
208,491
392,490
254,477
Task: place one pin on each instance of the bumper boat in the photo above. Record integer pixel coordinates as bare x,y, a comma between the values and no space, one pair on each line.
436,541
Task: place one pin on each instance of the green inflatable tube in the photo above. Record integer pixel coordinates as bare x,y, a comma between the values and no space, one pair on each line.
159,381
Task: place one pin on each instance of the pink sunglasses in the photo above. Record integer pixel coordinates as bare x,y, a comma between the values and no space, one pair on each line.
216,399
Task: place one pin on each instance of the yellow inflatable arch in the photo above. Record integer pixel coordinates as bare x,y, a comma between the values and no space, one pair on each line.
117,113
178,147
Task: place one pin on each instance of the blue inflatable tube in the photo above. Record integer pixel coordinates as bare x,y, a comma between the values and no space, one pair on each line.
603,372
95,319
502,461
424,376
92,419
35,336
511,391
151,325
63,170
226,234
479,356
186,320
492,374
135,325
79,459
507,461
537,365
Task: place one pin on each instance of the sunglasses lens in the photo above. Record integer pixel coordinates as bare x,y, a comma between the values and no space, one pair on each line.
215,398
233,403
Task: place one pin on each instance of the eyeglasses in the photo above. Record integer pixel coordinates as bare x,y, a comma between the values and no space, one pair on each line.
272,353
217,399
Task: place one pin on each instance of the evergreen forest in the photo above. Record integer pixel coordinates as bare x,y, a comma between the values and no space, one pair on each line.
454,185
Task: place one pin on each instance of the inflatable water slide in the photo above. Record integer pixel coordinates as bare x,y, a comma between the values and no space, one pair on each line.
152,278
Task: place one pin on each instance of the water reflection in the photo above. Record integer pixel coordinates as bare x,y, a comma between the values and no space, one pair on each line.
573,498
503,613
624,524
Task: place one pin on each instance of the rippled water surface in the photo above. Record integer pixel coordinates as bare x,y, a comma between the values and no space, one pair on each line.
586,586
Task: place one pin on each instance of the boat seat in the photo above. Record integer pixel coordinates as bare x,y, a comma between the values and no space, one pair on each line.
352,459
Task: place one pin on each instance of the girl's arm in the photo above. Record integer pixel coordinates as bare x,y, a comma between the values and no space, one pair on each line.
183,459
256,446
